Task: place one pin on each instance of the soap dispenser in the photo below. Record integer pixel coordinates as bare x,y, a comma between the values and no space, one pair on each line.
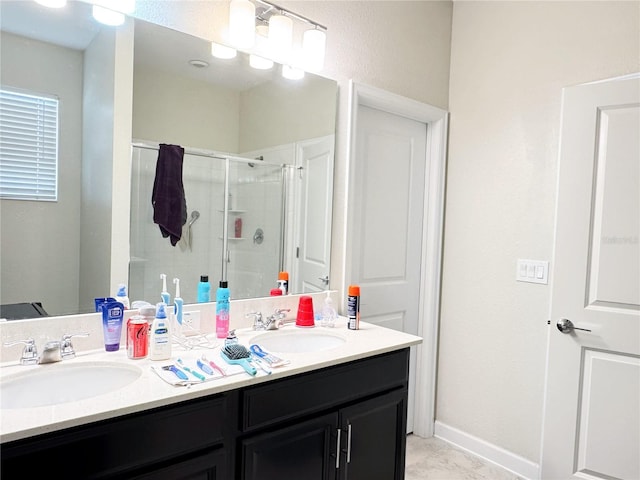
328,313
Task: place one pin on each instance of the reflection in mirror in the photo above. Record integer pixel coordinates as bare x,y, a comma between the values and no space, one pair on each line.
216,109
59,253
66,55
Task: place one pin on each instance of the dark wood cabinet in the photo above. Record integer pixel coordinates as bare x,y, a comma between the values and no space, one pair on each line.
374,435
342,422
304,451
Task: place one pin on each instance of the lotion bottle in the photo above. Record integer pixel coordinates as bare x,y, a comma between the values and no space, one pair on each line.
222,310
160,338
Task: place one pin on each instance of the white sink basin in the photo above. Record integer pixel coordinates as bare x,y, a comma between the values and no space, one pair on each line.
300,341
60,383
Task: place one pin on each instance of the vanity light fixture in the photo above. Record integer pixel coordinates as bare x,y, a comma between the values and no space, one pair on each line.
242,23
248,17
52,3
222,51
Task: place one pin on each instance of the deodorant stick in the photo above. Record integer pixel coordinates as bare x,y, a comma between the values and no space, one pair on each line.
353,307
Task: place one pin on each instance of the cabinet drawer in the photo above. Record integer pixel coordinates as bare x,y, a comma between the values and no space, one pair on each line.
119,445
303,394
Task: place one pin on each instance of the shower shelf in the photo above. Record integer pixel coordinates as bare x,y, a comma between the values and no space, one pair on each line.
234,212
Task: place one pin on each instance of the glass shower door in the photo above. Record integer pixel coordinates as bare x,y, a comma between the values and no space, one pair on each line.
255,227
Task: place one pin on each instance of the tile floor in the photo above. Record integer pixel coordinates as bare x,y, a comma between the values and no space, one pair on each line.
435,459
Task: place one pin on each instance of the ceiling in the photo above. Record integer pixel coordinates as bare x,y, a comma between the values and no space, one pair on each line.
161,47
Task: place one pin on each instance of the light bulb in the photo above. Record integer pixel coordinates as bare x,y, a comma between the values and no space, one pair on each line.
280,37
222,51
107,17
260,63
242,21
292,73
313,46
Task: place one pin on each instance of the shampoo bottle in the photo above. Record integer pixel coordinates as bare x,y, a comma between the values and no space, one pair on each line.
222,310
204,289
160,339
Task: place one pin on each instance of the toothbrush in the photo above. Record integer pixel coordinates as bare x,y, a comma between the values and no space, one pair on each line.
192,372
204,367
166,298
214,366
178,302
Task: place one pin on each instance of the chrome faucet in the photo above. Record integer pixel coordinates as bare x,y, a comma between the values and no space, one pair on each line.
53,351
276,319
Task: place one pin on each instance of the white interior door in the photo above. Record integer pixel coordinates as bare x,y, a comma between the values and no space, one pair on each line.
386,228
592,400
315,181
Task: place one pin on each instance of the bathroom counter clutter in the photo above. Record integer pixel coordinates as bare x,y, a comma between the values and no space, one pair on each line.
122,386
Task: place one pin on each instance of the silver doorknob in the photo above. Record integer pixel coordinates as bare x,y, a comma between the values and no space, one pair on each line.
566,326
324,279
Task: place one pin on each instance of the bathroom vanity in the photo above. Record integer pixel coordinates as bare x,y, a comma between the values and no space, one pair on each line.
338,414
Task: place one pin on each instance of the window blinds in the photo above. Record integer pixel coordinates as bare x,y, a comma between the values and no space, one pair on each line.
28,146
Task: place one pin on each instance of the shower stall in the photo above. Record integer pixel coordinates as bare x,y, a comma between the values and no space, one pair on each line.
235,229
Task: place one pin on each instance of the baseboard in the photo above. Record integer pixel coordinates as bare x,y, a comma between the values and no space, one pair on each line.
518,465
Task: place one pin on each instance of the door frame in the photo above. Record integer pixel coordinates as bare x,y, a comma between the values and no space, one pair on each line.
436,122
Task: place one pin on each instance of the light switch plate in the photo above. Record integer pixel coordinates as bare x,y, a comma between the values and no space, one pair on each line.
532,271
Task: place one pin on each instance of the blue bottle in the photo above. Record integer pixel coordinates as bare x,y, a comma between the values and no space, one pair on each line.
204,289
222,310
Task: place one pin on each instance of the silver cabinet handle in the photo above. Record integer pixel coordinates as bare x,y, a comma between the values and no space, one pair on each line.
338,449
566,326
349,443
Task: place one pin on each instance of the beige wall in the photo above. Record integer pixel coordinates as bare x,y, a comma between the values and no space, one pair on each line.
183,111
31,272
509,62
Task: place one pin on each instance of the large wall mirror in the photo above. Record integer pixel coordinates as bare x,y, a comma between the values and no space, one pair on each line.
62,253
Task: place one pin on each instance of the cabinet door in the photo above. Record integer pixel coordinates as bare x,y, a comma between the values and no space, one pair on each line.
208,466
304,451
374,438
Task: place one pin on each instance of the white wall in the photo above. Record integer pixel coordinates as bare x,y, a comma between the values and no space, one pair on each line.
106,168
31,272
509,62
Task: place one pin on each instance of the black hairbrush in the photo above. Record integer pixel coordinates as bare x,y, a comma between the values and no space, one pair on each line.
236,354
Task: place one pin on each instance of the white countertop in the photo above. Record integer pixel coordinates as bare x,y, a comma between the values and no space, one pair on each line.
150,391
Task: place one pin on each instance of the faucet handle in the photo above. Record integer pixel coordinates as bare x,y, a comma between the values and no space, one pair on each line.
258,324
66,347
29,353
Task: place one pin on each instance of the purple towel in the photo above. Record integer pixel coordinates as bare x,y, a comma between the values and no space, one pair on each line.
169,203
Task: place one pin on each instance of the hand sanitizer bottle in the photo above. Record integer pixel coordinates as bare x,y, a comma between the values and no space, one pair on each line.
328,313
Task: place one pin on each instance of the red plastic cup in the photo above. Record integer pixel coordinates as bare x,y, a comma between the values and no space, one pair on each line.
305,317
